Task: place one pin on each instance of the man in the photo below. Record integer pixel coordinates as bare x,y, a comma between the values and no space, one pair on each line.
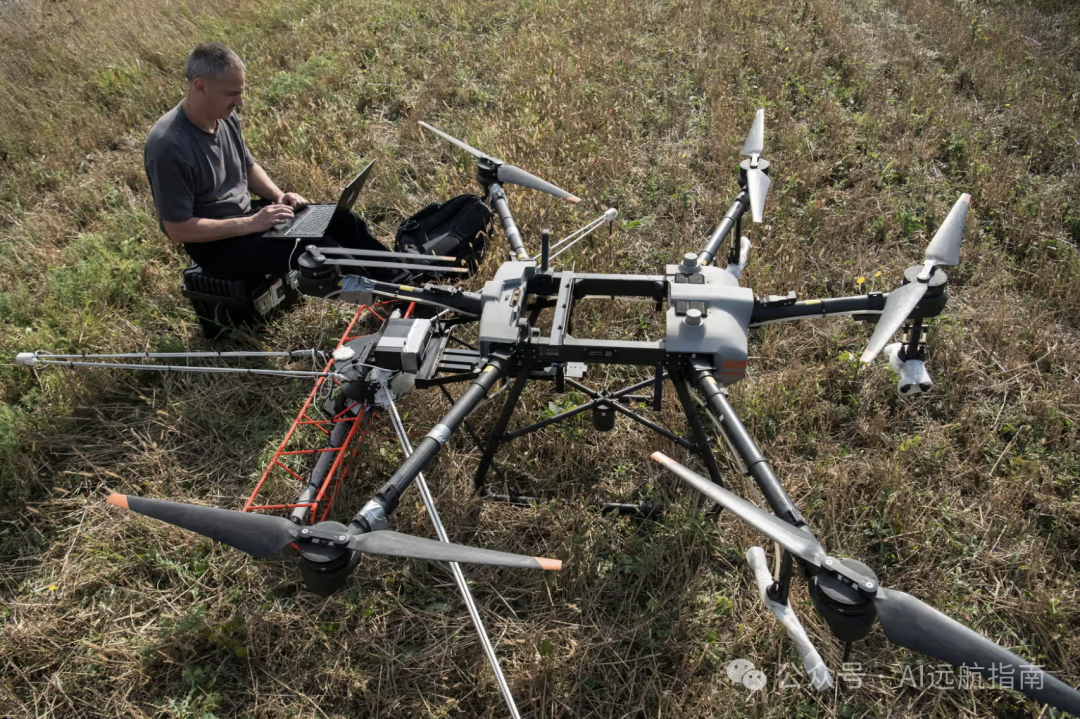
201,176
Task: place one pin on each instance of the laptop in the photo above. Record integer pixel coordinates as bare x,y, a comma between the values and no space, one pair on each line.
312,221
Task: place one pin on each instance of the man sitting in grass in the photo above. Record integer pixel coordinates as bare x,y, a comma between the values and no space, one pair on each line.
201,176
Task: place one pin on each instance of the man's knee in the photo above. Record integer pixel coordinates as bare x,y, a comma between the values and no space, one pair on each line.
350,230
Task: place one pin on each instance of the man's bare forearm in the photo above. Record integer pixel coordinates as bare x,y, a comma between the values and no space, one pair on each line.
261,184
200,229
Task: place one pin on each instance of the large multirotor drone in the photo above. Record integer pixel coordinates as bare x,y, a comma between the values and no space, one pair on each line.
707,316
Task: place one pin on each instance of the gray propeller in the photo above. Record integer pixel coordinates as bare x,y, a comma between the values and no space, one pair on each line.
757,182
791,538
262,535
906,621
944,249
508,174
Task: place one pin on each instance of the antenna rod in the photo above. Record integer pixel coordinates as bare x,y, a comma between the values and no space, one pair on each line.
581,233
34,362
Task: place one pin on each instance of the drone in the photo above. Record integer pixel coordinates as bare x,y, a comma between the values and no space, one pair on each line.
707,316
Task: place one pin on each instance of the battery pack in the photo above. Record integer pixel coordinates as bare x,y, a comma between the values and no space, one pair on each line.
401,345
222,304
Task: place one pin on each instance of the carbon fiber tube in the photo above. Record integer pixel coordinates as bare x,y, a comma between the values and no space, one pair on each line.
871,304
733,214
322,468
426,450
510,228
747,448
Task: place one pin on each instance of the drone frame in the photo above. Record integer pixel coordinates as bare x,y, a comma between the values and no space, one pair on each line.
518,352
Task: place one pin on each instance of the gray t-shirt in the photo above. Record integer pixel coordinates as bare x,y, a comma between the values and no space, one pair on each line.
195,173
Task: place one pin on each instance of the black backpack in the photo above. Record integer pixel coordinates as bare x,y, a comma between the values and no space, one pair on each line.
457,228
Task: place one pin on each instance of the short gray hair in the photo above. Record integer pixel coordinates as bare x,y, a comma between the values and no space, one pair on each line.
210,60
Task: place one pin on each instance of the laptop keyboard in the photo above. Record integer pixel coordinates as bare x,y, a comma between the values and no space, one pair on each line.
314,222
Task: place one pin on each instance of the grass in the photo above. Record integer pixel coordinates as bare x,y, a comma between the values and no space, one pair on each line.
879,114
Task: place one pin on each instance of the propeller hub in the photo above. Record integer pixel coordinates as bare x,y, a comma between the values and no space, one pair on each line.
745,166
324,546
848,610
487,172
935,286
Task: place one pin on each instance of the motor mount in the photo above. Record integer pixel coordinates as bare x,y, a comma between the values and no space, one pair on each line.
848,611
325,566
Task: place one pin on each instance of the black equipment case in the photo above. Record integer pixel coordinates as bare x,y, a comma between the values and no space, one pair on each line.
221,304
456,228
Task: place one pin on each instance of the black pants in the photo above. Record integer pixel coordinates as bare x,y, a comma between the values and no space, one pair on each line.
251,257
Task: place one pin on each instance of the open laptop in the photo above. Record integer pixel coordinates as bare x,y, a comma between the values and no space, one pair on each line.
312,221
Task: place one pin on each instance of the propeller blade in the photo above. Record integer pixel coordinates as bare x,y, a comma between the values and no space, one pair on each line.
260,535
916,625
517,176
797,541
757,185
395,544
755,141
944,248
467,148
897,308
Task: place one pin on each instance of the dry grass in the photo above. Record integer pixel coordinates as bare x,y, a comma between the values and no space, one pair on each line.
879,115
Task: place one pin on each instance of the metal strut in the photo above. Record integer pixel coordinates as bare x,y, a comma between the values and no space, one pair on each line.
455,568
704,447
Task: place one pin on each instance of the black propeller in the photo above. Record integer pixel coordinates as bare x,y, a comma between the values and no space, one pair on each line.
849,598
944,249
328,547
508,174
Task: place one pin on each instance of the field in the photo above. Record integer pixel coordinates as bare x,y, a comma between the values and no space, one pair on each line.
879,114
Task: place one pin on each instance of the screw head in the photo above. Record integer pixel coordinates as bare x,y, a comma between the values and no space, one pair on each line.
304,531
342,537
828,562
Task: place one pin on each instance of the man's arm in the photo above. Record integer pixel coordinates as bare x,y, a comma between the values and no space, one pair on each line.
200,229
261,184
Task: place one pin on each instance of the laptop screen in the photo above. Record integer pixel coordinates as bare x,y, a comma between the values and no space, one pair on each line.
352,190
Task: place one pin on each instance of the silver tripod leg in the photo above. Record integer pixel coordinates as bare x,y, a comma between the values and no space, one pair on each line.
455,568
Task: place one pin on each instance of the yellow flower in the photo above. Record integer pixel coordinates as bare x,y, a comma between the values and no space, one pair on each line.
860,280
877,274
53,587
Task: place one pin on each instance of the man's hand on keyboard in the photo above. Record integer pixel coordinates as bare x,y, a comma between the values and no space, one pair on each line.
269,216
294,200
